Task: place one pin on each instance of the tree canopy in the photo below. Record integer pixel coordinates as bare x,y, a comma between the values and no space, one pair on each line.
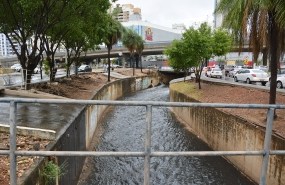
261,23
132,41
196,47
42,21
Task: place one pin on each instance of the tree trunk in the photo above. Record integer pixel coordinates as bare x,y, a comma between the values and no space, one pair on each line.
140,58
273,40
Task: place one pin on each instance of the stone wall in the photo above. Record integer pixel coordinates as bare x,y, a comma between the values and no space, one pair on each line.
225,132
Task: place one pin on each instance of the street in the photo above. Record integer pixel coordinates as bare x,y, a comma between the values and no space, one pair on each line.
16,78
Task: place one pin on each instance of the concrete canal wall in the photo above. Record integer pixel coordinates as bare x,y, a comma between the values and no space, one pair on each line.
78,134
113,91
225,132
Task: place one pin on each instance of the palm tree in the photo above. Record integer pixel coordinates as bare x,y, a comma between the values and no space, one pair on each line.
113,35
130,41
140,48
263,23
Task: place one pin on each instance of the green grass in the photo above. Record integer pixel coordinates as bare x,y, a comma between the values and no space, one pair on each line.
188,88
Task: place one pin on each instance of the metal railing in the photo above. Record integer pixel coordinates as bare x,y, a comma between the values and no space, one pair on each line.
147,153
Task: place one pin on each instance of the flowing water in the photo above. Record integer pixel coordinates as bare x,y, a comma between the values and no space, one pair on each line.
124,130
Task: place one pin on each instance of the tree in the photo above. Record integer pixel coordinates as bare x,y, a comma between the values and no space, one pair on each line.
196,47
139,50
20,21
113,34
179,56
28,22
222,42
263,24
130,41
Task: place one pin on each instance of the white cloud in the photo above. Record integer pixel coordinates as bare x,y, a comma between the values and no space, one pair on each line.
168,12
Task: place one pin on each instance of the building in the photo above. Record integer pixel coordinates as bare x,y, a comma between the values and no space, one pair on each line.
127,12
218,18
5,46
152,33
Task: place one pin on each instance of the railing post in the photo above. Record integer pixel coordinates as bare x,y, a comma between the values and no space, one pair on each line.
266,148
147,145
13,144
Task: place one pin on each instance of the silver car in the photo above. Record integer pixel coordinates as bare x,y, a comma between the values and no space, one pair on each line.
251,75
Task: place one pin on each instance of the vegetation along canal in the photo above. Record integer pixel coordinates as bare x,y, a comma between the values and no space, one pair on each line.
124,130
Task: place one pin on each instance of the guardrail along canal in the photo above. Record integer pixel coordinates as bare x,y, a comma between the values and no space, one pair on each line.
124,130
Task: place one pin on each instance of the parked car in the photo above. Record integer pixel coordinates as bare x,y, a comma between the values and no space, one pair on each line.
84,68
280,81
16,67
208,70
36,70
233,72
228,69
215,72
251,75
116,66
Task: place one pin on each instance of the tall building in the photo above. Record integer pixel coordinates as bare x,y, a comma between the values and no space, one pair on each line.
127,12
5,46
218,18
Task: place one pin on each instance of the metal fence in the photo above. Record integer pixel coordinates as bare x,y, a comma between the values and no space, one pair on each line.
147,153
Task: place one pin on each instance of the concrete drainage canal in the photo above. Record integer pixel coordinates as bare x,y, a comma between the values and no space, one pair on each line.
123,129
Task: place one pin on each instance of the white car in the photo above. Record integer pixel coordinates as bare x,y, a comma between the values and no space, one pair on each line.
16,67
233,72
116,66
84,68
251,75
215,72
36,70
280,81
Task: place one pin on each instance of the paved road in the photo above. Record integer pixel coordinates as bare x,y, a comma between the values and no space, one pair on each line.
229,80
16,78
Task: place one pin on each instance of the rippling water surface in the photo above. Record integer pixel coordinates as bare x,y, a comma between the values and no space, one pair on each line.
124,130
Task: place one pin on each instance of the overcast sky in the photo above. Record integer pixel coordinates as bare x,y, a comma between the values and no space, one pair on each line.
168,12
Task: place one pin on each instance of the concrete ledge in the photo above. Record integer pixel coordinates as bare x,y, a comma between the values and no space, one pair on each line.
32,94
28,131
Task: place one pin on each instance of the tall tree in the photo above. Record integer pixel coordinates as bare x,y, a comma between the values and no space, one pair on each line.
20,21
180,56
222,42
26,22
196,47
262,22
130,41
139,50
114,32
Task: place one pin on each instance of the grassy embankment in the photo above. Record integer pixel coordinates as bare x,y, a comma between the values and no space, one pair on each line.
187,88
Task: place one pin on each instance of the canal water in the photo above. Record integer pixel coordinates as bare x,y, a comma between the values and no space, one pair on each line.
36,115
124,130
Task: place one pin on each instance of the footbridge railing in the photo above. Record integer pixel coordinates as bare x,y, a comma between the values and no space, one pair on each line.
147,153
